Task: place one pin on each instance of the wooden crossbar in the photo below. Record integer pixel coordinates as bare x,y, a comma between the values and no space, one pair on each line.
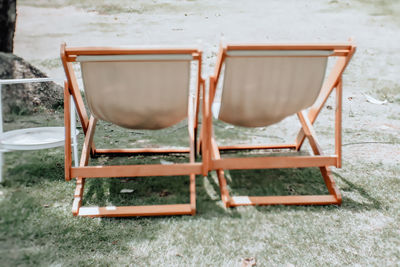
125,211
283,200
251,147
142,150
343,46
136,170
273,162
77,51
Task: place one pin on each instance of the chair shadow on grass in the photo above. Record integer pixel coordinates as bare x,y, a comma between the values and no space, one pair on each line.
366,200
175,189
156,190
296,181
137,191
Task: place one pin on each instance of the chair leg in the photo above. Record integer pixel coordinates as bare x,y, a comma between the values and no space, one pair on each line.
78,195
192,188
330,184
226,199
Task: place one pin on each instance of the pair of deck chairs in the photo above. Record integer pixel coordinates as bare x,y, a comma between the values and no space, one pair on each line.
149,89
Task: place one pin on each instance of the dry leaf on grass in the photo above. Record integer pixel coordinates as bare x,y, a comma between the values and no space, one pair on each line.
164,193
248,262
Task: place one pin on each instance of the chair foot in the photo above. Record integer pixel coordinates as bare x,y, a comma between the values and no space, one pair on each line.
284,200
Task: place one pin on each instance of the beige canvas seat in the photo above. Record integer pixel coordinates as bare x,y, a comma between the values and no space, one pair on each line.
135,89
263,84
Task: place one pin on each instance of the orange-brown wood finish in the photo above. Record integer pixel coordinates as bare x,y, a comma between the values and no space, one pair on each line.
67,128
84,171
211,151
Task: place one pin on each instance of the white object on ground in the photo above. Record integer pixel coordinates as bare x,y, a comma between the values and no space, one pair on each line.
374,100
165,162
34,138
126,191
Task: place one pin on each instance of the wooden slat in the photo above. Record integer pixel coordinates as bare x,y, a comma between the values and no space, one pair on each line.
218,67
77,51
192,190
335,53
79,187
250,147
220,174
74,89
76,205
340,47
80,183
67,128
192,125
338,124
137,170
284,200
340,53
126,211
76,93
310,133
142,150
206,131
88,142
273,162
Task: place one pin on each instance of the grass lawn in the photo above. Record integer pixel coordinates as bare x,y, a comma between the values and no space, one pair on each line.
37,227
36,224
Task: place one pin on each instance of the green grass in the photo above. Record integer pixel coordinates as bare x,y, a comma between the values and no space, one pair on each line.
37,227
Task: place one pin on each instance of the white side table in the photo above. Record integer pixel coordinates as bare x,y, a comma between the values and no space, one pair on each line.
35,138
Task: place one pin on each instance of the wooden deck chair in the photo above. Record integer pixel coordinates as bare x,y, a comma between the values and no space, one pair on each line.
135,89
262,85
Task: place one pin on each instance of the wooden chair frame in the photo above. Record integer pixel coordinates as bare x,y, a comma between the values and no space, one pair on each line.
211,153
68,56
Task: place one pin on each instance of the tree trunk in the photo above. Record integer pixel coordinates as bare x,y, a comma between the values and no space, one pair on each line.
8,15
